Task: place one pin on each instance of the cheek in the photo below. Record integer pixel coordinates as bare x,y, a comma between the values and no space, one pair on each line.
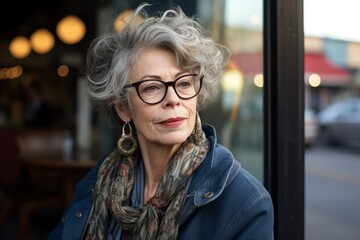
142,118
191,109
191,106
137,107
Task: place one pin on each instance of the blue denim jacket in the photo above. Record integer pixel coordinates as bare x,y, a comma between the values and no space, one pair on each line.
224,201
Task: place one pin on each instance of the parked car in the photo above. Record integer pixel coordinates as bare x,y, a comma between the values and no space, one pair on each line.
340,122
311,127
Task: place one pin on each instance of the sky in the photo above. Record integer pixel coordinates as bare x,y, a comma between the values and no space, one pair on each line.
337,19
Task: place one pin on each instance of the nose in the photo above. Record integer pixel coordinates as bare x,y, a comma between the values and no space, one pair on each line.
171,98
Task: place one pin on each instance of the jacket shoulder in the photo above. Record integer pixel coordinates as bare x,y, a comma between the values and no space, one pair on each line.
251,203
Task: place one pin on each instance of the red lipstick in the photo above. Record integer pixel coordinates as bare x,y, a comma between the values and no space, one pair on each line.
173,122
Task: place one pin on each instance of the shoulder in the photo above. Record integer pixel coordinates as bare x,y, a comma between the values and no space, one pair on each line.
244,208
251,213
250,194
232,204
222,160
243,187
244,205
248,182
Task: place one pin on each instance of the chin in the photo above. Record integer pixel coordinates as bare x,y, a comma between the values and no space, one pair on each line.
176,138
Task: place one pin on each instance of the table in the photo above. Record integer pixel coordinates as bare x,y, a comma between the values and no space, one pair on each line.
68,170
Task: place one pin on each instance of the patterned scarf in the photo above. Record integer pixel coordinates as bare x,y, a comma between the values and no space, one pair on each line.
159,217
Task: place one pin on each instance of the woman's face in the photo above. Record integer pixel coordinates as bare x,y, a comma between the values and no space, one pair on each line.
172,120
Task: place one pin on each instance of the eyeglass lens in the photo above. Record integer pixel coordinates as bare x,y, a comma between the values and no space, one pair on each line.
154,91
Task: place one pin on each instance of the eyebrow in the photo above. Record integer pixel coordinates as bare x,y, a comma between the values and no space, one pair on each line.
158,77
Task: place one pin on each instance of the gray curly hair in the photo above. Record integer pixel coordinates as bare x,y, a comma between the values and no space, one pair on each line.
111,56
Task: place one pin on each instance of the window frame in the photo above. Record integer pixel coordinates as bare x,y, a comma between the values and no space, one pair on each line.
284,114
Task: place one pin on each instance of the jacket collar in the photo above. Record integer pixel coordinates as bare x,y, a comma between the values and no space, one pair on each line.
216,171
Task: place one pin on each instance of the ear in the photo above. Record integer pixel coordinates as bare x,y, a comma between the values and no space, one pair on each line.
122,111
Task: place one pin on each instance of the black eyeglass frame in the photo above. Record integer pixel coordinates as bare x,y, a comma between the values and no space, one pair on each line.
167,85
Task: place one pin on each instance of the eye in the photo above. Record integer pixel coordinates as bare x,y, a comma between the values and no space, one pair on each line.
151,87
185,82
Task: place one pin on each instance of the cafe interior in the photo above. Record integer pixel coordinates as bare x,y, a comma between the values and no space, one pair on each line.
50,135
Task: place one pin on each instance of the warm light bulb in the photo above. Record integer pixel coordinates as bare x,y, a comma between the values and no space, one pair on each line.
42,41
70,29
314,80
20,47
259,80
232,81
63,71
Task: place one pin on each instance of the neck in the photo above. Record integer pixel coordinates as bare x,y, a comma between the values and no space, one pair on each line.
156,158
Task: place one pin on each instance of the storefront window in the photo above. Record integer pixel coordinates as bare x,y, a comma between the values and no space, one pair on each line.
237,112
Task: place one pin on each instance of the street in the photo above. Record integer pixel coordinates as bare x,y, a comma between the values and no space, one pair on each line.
332,193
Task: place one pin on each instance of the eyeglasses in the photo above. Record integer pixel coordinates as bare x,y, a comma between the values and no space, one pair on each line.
152,91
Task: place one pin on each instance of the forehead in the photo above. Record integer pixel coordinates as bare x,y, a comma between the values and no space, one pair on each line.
154,62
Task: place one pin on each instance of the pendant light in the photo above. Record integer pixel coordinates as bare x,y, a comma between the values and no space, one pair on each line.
70,29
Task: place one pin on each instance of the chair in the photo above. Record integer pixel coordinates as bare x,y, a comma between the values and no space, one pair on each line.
26,190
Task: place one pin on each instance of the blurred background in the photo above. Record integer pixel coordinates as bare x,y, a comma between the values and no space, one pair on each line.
51,135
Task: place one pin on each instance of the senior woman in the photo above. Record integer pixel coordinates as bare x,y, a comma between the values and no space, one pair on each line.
167,178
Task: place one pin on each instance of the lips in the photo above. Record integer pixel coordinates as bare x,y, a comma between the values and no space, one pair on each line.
172,121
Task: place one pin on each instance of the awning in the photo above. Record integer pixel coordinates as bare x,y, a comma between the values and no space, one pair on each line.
331,74
251,64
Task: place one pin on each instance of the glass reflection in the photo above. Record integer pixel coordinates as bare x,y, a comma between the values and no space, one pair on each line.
238,25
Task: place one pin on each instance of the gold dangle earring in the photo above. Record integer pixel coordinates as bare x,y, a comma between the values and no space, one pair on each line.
127,143
197,130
